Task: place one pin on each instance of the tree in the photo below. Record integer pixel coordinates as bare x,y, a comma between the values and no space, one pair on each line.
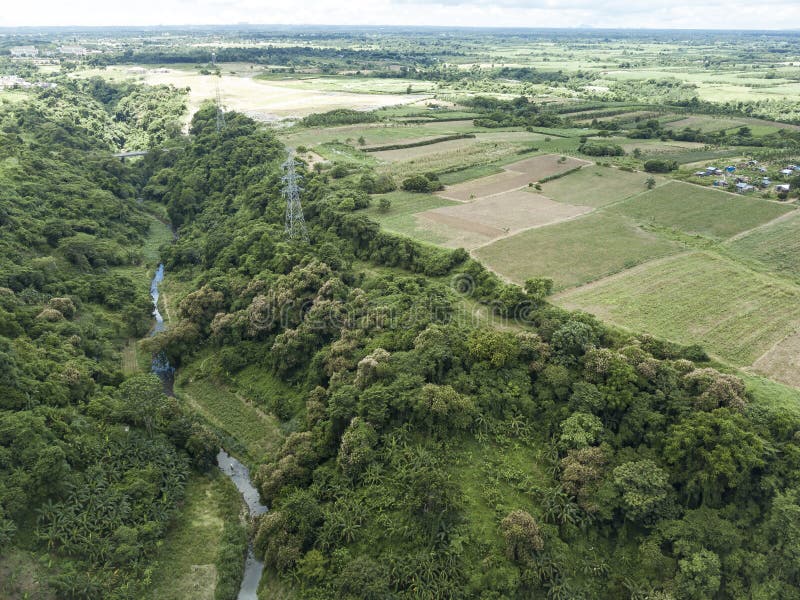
384,205
523,539
699,576
538,288
645,490
580,430
356,451
650,183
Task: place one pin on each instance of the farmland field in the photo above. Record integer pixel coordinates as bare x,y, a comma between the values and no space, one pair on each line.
501,214
704,123
775,247
575,252
596,186
400,217
514,176
732,311
697,210
415,152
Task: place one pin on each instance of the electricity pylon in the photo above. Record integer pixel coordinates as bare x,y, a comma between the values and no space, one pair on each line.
295,227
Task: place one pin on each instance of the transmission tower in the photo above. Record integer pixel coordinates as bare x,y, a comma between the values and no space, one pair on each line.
220,108
295,223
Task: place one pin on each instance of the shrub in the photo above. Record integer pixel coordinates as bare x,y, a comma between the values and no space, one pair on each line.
659,165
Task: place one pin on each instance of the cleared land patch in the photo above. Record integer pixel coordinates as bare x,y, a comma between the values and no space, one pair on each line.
514,176
596,186
575,252
732,311
697,210
502,214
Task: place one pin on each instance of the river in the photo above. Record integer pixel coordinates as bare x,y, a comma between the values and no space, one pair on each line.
238,473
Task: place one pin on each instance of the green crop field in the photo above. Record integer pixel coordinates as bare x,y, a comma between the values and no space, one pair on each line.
575,252
702,211
704,123
732,311
596,186
775,247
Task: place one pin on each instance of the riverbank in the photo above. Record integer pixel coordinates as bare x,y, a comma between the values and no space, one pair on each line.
186,566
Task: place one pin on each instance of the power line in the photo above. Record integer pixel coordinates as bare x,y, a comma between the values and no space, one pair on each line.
295,227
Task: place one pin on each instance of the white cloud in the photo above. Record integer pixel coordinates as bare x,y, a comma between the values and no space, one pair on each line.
656,14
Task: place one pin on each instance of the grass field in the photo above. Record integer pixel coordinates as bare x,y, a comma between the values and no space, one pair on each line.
185,563
775,247
400,217
596,186
575,252
231,413
732,311
375,134
417,152
702,211
704,123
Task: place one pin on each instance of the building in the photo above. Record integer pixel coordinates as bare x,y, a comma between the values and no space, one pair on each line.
24,51
73,50
744,188
787,172
783,187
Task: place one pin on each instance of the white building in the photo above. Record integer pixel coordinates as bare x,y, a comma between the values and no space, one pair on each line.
24,51
73,50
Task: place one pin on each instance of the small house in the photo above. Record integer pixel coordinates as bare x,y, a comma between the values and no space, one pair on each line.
744,188
766,182
700,173
783,187
720,183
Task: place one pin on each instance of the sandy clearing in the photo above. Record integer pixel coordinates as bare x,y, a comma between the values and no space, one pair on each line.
269,101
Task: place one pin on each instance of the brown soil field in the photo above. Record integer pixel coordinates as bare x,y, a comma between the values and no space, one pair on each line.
502,214
515,176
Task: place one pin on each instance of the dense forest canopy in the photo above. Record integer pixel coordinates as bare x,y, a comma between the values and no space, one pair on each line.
92,465
432,457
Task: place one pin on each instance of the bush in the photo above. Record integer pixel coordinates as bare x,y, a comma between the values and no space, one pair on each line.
596,149
659,165
422,183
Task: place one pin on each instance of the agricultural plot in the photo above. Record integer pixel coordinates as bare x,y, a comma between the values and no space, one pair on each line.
597,186
704,123
696,210
497,215
775,247
732,311
400,217
575,252
514,176
416,152
375,134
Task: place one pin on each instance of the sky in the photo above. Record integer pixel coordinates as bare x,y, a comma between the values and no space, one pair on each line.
649,14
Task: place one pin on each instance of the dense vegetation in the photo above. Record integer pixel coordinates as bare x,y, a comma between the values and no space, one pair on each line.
437,458
92,466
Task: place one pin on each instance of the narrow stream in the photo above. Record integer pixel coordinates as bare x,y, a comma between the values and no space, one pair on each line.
240,476
238,473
